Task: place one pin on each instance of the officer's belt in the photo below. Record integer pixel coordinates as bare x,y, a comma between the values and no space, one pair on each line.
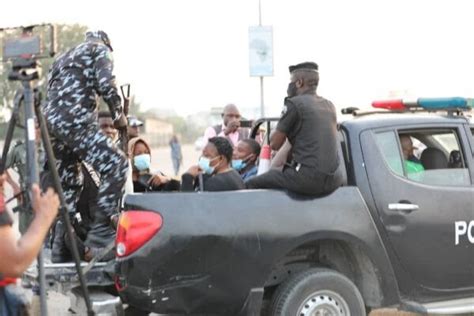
293,165
297,166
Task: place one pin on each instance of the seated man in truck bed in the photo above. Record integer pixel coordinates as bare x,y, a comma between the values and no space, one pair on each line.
214,163
309,123
245,157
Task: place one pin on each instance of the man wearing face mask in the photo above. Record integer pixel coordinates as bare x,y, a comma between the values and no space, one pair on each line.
215,166
245,157
309,123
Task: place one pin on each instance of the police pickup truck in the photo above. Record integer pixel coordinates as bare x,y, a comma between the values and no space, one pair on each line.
389,237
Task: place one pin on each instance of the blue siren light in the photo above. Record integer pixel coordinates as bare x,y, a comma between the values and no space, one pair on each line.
444,103
429,104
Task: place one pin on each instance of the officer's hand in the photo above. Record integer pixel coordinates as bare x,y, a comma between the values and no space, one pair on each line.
121,122
231,127
45,205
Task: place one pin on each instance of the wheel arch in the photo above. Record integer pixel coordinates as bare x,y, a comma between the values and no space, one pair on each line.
344,254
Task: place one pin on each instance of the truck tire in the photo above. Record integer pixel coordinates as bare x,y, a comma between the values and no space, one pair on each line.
317,291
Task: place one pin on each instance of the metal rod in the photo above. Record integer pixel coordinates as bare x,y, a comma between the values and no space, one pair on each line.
33,175
262,102
64,211
8,139
42,283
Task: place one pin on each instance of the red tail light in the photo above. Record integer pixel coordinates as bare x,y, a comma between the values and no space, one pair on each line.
135,228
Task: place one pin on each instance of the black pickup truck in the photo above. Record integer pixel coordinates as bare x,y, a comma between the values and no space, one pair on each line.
387,237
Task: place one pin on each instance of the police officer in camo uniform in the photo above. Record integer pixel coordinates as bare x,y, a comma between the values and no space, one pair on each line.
75,80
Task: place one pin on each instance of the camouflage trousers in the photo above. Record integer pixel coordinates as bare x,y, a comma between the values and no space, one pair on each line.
78,138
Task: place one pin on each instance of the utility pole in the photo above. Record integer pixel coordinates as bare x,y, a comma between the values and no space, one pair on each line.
262,102
261,53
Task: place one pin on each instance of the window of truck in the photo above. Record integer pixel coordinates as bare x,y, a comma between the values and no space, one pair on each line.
432,157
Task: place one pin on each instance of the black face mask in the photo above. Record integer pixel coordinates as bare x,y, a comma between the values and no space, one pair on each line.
291,91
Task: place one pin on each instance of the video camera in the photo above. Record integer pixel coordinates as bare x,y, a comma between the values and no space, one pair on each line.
28,42
24,46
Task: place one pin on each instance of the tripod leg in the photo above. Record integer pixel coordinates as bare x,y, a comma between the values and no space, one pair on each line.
32,174
64,212
8,141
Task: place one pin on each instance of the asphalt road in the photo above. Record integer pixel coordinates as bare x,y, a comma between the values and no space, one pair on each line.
161,159
58,305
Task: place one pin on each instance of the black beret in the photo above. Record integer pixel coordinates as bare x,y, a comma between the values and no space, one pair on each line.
309,65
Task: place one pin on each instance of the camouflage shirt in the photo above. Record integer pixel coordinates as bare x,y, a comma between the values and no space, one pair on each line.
77,77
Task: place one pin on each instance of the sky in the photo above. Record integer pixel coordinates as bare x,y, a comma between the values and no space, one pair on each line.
192,55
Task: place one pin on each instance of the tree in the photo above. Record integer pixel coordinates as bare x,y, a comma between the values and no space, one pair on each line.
68,36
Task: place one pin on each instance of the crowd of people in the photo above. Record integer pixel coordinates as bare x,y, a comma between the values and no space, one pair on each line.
95,174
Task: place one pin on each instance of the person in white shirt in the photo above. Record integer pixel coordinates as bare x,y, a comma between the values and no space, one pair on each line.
230,127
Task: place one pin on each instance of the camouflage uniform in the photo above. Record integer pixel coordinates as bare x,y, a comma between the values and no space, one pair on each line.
16,159
76,79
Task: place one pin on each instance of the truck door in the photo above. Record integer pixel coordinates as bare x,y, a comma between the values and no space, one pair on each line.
427,204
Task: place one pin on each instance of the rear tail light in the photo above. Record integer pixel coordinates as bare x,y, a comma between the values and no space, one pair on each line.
135,228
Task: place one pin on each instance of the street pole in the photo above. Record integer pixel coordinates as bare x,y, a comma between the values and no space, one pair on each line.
262,102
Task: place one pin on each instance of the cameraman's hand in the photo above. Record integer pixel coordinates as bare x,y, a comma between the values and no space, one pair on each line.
45,205
121,122
231,127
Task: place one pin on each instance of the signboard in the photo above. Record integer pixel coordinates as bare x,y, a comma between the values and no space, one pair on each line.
261,51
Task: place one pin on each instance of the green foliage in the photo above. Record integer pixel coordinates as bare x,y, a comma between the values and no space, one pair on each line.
68,36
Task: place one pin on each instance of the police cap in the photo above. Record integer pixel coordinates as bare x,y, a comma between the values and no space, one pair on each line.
309,65
134,122
101,35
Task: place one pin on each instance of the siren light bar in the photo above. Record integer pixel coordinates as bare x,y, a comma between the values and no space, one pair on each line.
429,104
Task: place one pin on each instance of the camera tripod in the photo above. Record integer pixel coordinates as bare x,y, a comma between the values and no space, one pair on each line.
26,71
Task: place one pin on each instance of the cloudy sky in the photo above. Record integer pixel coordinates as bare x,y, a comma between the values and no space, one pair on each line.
191,55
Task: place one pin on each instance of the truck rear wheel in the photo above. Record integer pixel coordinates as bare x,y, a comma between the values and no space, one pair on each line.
317,292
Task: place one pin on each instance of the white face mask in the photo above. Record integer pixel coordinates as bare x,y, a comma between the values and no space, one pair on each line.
205,164
142,162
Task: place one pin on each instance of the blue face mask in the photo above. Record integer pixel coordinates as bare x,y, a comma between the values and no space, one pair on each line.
204,164
142,162
238,164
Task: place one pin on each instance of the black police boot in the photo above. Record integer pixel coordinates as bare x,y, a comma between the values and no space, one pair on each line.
59,251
